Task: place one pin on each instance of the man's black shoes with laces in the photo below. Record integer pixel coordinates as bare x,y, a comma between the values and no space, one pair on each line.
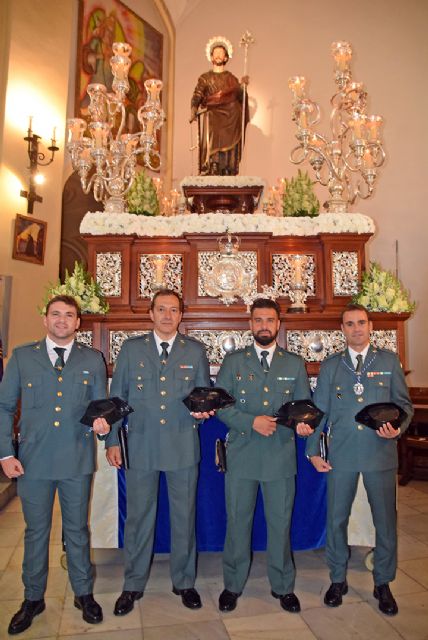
24,617
190,597
125,602
91,610
289,602
333,597
227,600
387,603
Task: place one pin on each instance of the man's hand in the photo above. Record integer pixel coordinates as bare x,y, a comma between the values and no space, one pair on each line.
202,415
304,429
12,468
320,465
265,425
101,426
388,431
193,114
113,456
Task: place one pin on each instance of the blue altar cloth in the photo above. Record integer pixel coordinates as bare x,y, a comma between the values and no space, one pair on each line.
309,515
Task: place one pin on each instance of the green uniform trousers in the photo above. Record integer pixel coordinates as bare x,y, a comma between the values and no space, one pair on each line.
278,500
381,493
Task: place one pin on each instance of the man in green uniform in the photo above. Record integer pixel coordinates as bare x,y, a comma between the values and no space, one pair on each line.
347,382
55,379
154,373
260,452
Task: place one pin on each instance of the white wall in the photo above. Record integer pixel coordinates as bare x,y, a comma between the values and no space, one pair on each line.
391,56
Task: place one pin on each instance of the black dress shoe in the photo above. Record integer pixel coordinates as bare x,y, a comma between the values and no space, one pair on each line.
91,610
190,597
289,602
24,617
227,600
125,602
387,603
333,597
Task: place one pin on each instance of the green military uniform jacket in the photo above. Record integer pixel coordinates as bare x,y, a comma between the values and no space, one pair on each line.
162,435
352,446
53,443
249,454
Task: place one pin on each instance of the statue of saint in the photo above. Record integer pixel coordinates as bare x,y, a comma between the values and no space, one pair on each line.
217,102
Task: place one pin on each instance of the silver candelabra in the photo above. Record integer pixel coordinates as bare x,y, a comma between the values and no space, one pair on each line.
106,159
346,163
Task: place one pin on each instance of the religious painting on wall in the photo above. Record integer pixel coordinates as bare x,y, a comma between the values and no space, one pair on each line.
101,23
29,239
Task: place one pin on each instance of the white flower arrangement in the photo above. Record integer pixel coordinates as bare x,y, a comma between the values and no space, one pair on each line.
222,181
382,291
82,287
101,223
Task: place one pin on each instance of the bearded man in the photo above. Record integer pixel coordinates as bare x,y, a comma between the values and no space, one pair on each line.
218,100
261,378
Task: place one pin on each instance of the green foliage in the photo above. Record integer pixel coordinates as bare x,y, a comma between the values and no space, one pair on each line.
142,197
82,287
299,198
382,291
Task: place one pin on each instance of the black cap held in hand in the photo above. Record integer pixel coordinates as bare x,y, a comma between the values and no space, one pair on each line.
291,413
377,414
208,399
111,409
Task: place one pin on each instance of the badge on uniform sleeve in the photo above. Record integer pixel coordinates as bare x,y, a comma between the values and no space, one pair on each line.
238,376
251,376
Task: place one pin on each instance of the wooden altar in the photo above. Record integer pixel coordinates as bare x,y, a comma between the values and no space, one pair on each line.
122,266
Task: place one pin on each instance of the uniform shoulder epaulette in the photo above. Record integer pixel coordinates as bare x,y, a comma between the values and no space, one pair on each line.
28,345
142,335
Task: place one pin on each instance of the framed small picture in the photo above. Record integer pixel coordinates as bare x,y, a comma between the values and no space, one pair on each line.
29,239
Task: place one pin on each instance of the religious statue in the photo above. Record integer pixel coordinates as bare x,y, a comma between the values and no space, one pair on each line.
217,103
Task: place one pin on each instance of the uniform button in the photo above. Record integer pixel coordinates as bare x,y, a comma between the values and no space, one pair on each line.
360,427
29,384
381,384
337,388
57,409
243,391
266,389
186,378
242,433
287,391
162,421
162,378
139,378
59,378
85,382
163,393
163,407
360,399
59,393
265,402
56,423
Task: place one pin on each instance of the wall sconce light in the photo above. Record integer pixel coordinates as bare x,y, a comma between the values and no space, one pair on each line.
36,160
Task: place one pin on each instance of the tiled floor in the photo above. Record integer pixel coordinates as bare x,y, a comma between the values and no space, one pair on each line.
161,616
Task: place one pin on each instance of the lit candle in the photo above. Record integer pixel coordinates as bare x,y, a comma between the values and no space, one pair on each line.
373,124
30,122
297,85
53,134
356,123
342,53
76,127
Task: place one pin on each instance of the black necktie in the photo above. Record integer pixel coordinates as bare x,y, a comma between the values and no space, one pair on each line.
59,362
164,354
359,363
263,360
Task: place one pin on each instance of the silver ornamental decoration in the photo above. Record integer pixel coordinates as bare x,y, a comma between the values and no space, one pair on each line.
228,278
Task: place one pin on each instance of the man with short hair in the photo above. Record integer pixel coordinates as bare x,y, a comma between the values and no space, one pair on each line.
220,97
348,381
55,379
154,373
261,453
